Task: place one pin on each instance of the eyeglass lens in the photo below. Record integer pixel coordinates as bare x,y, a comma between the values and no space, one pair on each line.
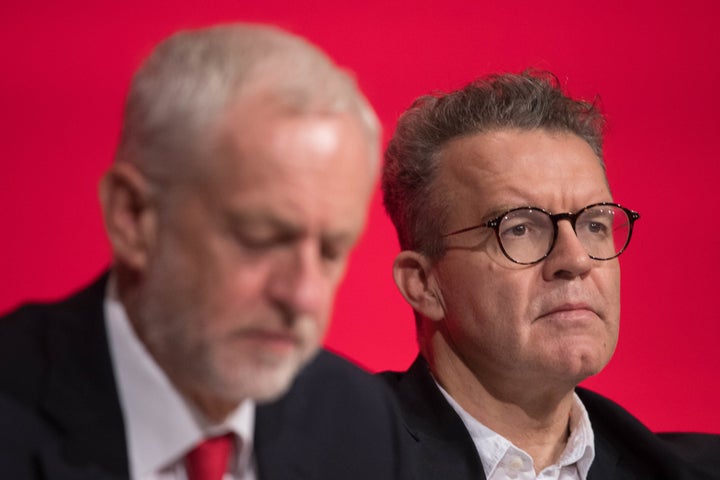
527,235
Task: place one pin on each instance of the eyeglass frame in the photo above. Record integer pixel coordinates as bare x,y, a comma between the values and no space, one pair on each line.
494,223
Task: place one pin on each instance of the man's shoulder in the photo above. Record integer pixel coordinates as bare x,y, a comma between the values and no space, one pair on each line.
698,448
621,434
329,363
31,318
337,421
609,417
333,377
30,321
392,377
31,334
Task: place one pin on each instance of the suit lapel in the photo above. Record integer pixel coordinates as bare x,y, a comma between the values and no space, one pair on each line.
282,450
605,463
81,396
443,445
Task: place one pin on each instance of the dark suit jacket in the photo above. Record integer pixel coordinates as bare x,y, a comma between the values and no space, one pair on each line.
60,416
442,448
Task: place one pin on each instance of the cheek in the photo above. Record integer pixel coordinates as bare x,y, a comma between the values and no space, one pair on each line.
484,293
608,284
510,291
235,288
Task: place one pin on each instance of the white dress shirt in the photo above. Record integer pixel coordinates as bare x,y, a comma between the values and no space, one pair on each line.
501,460
160,425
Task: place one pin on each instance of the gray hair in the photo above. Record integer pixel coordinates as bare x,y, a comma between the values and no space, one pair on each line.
192,78
526,101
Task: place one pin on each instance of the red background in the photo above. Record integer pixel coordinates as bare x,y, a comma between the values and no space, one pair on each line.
66,66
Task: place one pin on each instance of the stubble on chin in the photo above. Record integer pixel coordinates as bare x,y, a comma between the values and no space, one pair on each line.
259,374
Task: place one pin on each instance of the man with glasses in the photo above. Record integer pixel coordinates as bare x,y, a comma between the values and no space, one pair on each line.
510,237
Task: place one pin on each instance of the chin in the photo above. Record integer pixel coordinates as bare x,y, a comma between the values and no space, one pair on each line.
578,365
271,385
264,382
260,375
587,370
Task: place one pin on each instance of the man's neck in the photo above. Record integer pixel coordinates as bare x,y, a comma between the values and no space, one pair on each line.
214,409
534,416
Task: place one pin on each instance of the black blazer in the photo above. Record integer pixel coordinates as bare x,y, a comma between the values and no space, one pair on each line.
441,447
60,416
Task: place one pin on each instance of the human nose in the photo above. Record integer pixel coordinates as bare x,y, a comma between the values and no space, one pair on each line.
568,258
299,285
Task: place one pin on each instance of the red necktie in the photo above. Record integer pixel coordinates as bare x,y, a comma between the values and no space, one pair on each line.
209,459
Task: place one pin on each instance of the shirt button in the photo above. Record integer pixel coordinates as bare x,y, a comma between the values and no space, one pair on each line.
515,463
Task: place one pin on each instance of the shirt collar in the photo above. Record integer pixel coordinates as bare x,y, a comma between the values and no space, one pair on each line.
161,426
581,444
492,447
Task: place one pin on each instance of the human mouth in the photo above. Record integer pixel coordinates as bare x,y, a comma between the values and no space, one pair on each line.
272,340
570,313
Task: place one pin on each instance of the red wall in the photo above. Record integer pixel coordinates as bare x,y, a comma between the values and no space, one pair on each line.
66,66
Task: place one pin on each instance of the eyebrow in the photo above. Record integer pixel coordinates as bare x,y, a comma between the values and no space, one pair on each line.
500,210
259,219
268,219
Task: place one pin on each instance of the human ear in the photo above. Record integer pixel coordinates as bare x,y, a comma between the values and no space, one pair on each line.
414,278
128,213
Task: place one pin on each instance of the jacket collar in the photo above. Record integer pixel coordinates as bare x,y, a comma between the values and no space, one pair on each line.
446,448
81,397
443,445
284,449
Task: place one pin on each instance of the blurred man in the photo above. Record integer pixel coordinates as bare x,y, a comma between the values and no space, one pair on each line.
241,183
510,238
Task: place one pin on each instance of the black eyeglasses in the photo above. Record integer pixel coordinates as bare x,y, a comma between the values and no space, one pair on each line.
527,235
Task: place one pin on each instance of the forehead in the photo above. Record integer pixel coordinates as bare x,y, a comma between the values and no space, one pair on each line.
508,168
259,120
314,167
299,141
